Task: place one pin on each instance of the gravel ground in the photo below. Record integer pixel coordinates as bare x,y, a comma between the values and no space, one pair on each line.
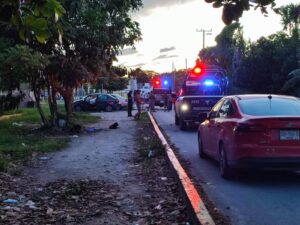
99,179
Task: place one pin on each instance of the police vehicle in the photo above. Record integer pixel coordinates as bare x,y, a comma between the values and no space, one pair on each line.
203,87
162,88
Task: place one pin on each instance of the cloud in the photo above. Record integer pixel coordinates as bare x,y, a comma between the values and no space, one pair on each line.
138,65
129,51
164,56
167,49
149,5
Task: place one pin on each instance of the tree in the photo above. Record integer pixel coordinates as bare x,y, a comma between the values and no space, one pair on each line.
290,18
179,77
228,50
140,75
267,63
22,64
94,33
30,19
114,81
292,86
233,9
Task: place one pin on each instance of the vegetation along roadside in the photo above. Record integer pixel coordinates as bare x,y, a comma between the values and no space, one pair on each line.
169,204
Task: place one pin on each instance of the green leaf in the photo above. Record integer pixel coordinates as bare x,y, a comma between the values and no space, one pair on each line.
22,34
43,36
15,20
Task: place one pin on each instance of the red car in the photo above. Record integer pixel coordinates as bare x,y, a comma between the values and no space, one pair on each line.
252,131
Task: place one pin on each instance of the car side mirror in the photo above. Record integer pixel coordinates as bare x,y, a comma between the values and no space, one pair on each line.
208,115
211,115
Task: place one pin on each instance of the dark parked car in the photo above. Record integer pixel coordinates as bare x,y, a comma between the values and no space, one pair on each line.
252,131
97,102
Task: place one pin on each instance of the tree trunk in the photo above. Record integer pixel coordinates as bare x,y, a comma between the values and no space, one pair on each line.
39,108
67,94
52,100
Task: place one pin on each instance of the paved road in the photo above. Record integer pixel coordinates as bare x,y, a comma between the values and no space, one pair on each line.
271,198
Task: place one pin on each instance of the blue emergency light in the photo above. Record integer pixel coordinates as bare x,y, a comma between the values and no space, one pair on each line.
166,82
208,82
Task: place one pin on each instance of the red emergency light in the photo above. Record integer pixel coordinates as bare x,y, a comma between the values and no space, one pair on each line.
198,69
156,82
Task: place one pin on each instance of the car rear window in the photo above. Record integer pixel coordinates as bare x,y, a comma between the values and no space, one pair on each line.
270,107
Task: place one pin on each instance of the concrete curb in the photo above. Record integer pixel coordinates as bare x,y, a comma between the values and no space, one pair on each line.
198,212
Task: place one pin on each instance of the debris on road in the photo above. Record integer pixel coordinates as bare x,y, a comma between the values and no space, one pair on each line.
114,126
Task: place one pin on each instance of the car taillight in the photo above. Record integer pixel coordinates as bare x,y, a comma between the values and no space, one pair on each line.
244,127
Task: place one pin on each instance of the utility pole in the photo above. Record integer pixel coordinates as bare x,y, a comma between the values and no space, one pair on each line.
186,63
173,77
204,32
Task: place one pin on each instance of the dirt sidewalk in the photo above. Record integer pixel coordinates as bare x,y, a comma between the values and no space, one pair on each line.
99,179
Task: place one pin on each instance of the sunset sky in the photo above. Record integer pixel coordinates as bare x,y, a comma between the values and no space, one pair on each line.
170,37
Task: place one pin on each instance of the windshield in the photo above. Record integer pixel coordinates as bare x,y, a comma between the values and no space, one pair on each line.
270,107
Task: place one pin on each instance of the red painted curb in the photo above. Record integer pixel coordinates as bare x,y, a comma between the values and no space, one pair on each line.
199,211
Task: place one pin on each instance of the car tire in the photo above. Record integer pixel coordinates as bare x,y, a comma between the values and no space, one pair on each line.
108,108
225,171
78,108
176,120
201,152
182,124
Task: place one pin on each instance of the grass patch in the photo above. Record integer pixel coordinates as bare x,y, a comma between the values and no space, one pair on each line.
19,136
83,118
149,144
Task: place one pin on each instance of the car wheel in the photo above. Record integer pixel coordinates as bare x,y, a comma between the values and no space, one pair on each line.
176,120
78,108
108,108
201,152
182,124
225,171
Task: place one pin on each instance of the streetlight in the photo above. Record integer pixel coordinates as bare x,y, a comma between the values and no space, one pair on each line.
204,32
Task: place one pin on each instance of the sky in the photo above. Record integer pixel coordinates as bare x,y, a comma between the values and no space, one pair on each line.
170,32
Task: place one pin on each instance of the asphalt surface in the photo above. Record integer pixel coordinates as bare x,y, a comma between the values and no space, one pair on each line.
258,198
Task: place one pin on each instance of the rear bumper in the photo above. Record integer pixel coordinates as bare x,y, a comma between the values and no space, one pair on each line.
267,163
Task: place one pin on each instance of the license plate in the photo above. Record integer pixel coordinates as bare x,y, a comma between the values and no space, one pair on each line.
201,108
289,135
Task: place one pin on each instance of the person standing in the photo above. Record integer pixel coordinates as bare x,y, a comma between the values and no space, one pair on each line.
152,102
129,103
166,101
138,102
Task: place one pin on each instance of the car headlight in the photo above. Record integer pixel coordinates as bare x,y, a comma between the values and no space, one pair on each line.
184,107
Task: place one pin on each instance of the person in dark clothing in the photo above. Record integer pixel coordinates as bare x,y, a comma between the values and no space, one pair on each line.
138,102
152,102
130,103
